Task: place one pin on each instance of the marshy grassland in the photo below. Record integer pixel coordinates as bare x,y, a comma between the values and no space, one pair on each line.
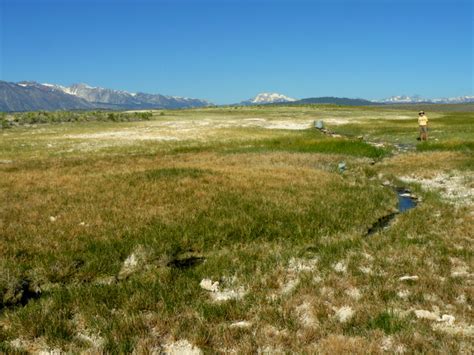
232,229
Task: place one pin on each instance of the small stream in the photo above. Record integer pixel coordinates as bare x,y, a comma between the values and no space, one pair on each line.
406,201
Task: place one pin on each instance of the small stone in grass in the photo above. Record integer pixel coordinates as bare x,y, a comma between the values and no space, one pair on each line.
449,319
52,219
344,314
340,267
445,318
241,324
226,295
460,271
365,270
354,293
221,295
208,285
133,262
181,347
403,293
421,313
408,278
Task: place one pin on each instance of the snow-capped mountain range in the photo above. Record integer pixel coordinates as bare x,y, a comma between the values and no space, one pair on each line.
120,97
273,98
30,95
403,99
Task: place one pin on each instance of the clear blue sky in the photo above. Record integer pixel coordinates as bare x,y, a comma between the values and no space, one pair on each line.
229,50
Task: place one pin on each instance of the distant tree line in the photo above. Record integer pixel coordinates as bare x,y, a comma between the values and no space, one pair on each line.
39,117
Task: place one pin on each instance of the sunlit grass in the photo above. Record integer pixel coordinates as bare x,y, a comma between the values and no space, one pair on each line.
266,210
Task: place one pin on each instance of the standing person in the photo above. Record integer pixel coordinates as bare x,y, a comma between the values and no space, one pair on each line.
423,123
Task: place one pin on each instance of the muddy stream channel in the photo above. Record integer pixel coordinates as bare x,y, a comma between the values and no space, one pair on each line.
406,200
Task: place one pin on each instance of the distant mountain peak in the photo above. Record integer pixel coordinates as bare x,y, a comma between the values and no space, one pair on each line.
268,98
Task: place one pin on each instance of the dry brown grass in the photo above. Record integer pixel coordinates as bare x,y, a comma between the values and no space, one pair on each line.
112,196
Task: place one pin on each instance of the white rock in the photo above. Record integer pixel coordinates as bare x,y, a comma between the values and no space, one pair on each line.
368,256
208,285
366,270
227,295
241,324
461,299
340,267
221,295
403,293
354,293
52,218
270,350
449,319
460,271
462,329
289,286
299,265
400,349
50,352
408,278
95,340
317,279
387,343
181,347
18,343
421,313
344,314
133,262
431,298
306,315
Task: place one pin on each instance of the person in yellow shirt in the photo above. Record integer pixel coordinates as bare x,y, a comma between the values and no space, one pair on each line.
423,123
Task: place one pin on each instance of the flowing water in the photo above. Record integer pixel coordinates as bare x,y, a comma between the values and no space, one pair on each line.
405,202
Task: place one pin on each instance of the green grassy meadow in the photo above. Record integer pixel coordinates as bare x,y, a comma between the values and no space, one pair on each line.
107,230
